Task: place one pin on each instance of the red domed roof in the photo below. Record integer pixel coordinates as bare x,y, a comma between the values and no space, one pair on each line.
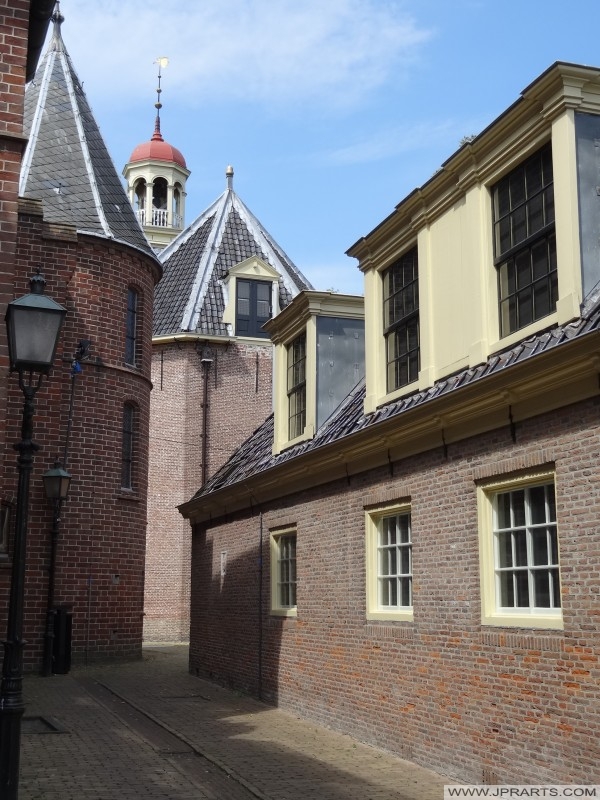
157,149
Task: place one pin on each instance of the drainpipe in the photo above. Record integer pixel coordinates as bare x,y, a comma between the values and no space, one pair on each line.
206,362
260,605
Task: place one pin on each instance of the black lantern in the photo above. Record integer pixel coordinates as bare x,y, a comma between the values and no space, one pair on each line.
33,323
56,482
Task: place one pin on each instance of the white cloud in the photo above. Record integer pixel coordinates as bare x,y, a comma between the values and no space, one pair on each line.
389,142
276,53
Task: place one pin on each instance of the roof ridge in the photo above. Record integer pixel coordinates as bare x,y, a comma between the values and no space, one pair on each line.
200,285
68,69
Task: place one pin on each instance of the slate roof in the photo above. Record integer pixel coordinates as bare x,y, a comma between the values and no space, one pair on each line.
255,455
66,163
189,298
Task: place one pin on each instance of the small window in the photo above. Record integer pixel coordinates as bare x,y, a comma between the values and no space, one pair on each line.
525,243
253,307
296,387
283,573
5,516
389,564
520,568
401,321
128,436
131,334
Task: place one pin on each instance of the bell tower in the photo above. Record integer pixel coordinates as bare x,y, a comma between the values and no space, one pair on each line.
156,174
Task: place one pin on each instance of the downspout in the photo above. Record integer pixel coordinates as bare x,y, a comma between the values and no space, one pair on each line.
206,364
260,605
82,353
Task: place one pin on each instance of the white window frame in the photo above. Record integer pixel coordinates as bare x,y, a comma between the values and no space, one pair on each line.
374,526
492,613
277,605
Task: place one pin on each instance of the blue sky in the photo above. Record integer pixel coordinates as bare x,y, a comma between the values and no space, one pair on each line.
330,111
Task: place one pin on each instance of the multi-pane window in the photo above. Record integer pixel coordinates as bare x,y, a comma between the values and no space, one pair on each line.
401,320
394,562
526,549
525,243
127,452
389,568
252,307
283,573
296,386
131,331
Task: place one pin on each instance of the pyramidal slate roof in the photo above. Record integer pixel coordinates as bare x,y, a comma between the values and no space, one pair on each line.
189,298
66,163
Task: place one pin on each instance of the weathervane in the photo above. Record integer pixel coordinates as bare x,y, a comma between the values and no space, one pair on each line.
162,62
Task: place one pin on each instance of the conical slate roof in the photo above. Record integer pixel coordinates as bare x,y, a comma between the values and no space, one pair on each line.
66,163
189,298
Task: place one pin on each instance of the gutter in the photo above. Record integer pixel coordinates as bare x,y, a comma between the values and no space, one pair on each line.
40,14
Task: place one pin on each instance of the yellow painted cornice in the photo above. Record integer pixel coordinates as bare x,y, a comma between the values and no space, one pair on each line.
309,303
558,377
180,338
523,127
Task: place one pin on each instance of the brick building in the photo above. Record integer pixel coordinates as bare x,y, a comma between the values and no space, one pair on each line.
420,568
71,217
224,276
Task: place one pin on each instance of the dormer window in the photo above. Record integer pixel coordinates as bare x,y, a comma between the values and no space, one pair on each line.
251,295
401,320
525,243
319,341
296,383
253,307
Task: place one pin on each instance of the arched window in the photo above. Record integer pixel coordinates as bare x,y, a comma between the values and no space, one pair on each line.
177,219
159,202
128,445
131,328
139,191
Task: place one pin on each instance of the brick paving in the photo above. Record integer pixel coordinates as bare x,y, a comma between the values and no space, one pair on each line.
151,730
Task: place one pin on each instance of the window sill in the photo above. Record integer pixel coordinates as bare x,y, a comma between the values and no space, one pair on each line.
128,494
532,621
284,612
397,615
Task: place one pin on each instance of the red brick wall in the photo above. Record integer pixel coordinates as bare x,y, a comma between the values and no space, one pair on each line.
239,392
100,564
477,703
14,16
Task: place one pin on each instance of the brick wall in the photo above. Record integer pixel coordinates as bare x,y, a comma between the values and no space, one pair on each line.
238,386
478,703
100,561
14,15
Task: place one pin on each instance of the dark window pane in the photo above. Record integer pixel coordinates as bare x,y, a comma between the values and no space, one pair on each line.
520,548
505,558
507,595
541,583
517,500
522,587
539,543
537,504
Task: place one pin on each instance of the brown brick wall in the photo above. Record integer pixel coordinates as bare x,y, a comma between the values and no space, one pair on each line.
100,564
478,703
239,398
14,16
